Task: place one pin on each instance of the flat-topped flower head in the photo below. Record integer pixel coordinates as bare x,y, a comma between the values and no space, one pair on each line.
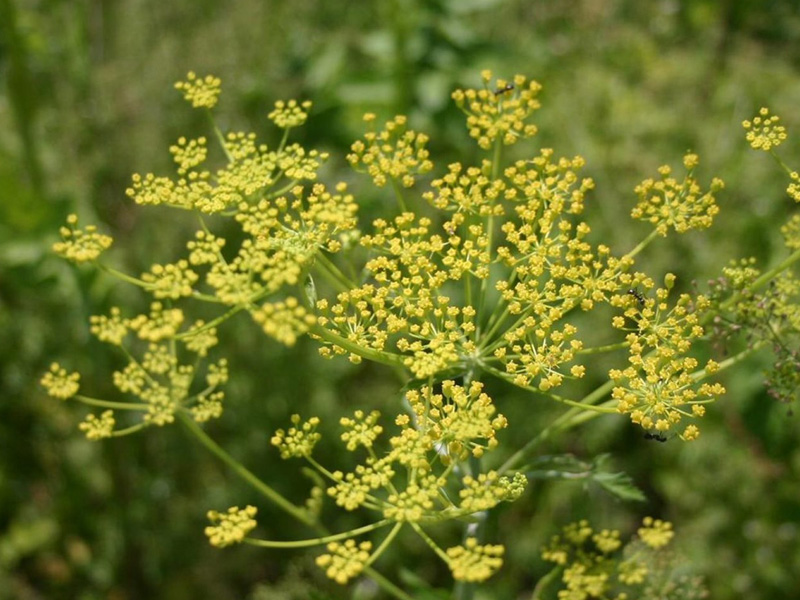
764,132
655,532
681,205
361,430
345,561
171,281
290,114
60,384
474,562
98,428
230,527
188,154
284,321
499,111
200,92
463,419
299,440
81,245
393,154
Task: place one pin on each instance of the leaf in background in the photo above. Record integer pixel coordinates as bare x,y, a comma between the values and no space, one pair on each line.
568,467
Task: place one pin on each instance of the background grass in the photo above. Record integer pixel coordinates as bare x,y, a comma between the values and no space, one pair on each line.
87,99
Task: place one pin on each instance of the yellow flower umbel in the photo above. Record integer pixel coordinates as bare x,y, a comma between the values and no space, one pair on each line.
81,245
597,565
474,562
230,527
344,561
763,131
661,386
200,92
59,384
668,203
393,154
499,112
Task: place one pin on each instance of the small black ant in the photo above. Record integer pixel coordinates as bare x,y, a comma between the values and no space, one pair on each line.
508,87
655,436
638,295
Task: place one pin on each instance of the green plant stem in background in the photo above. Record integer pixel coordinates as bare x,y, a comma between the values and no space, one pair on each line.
320,540
248,476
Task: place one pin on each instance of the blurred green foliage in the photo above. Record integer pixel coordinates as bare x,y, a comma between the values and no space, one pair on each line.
87,99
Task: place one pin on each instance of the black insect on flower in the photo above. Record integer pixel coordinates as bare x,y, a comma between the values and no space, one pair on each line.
506,88
655,437
638,295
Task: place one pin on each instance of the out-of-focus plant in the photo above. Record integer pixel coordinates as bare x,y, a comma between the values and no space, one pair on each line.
481,277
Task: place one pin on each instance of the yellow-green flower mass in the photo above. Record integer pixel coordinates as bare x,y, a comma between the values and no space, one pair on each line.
81,245
200,92
669,203
763,131
230,527
345,561
393,154
60,384
482,274
98,428
598,565
474,562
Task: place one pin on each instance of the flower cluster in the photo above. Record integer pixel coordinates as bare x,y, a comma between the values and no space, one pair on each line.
81,245
287,115
60,384
596,564
200,92
474,562
405,485
394,154
345,561
770,318
499,113
763,131
230,527
679,205
661,386
157,380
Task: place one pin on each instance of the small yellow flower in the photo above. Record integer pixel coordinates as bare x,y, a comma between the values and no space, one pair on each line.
763,131
59,384
98,428
81,245
655,532
299,440
289,114
230,527
344,561
201,92
473,562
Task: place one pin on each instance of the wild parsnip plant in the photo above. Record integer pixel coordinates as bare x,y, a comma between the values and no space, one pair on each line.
487,288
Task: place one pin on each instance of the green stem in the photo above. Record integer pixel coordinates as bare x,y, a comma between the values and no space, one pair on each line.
333,274
385,358
421,532
385,543
110,404
643,244
120,275
219,135
128,430
211,324
320,540
544,582
386,585
298,513
398,194
506,377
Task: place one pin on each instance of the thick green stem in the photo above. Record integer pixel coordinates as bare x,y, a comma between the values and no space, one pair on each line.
385,358
398,194
298,513
643,244
320,540
110,404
